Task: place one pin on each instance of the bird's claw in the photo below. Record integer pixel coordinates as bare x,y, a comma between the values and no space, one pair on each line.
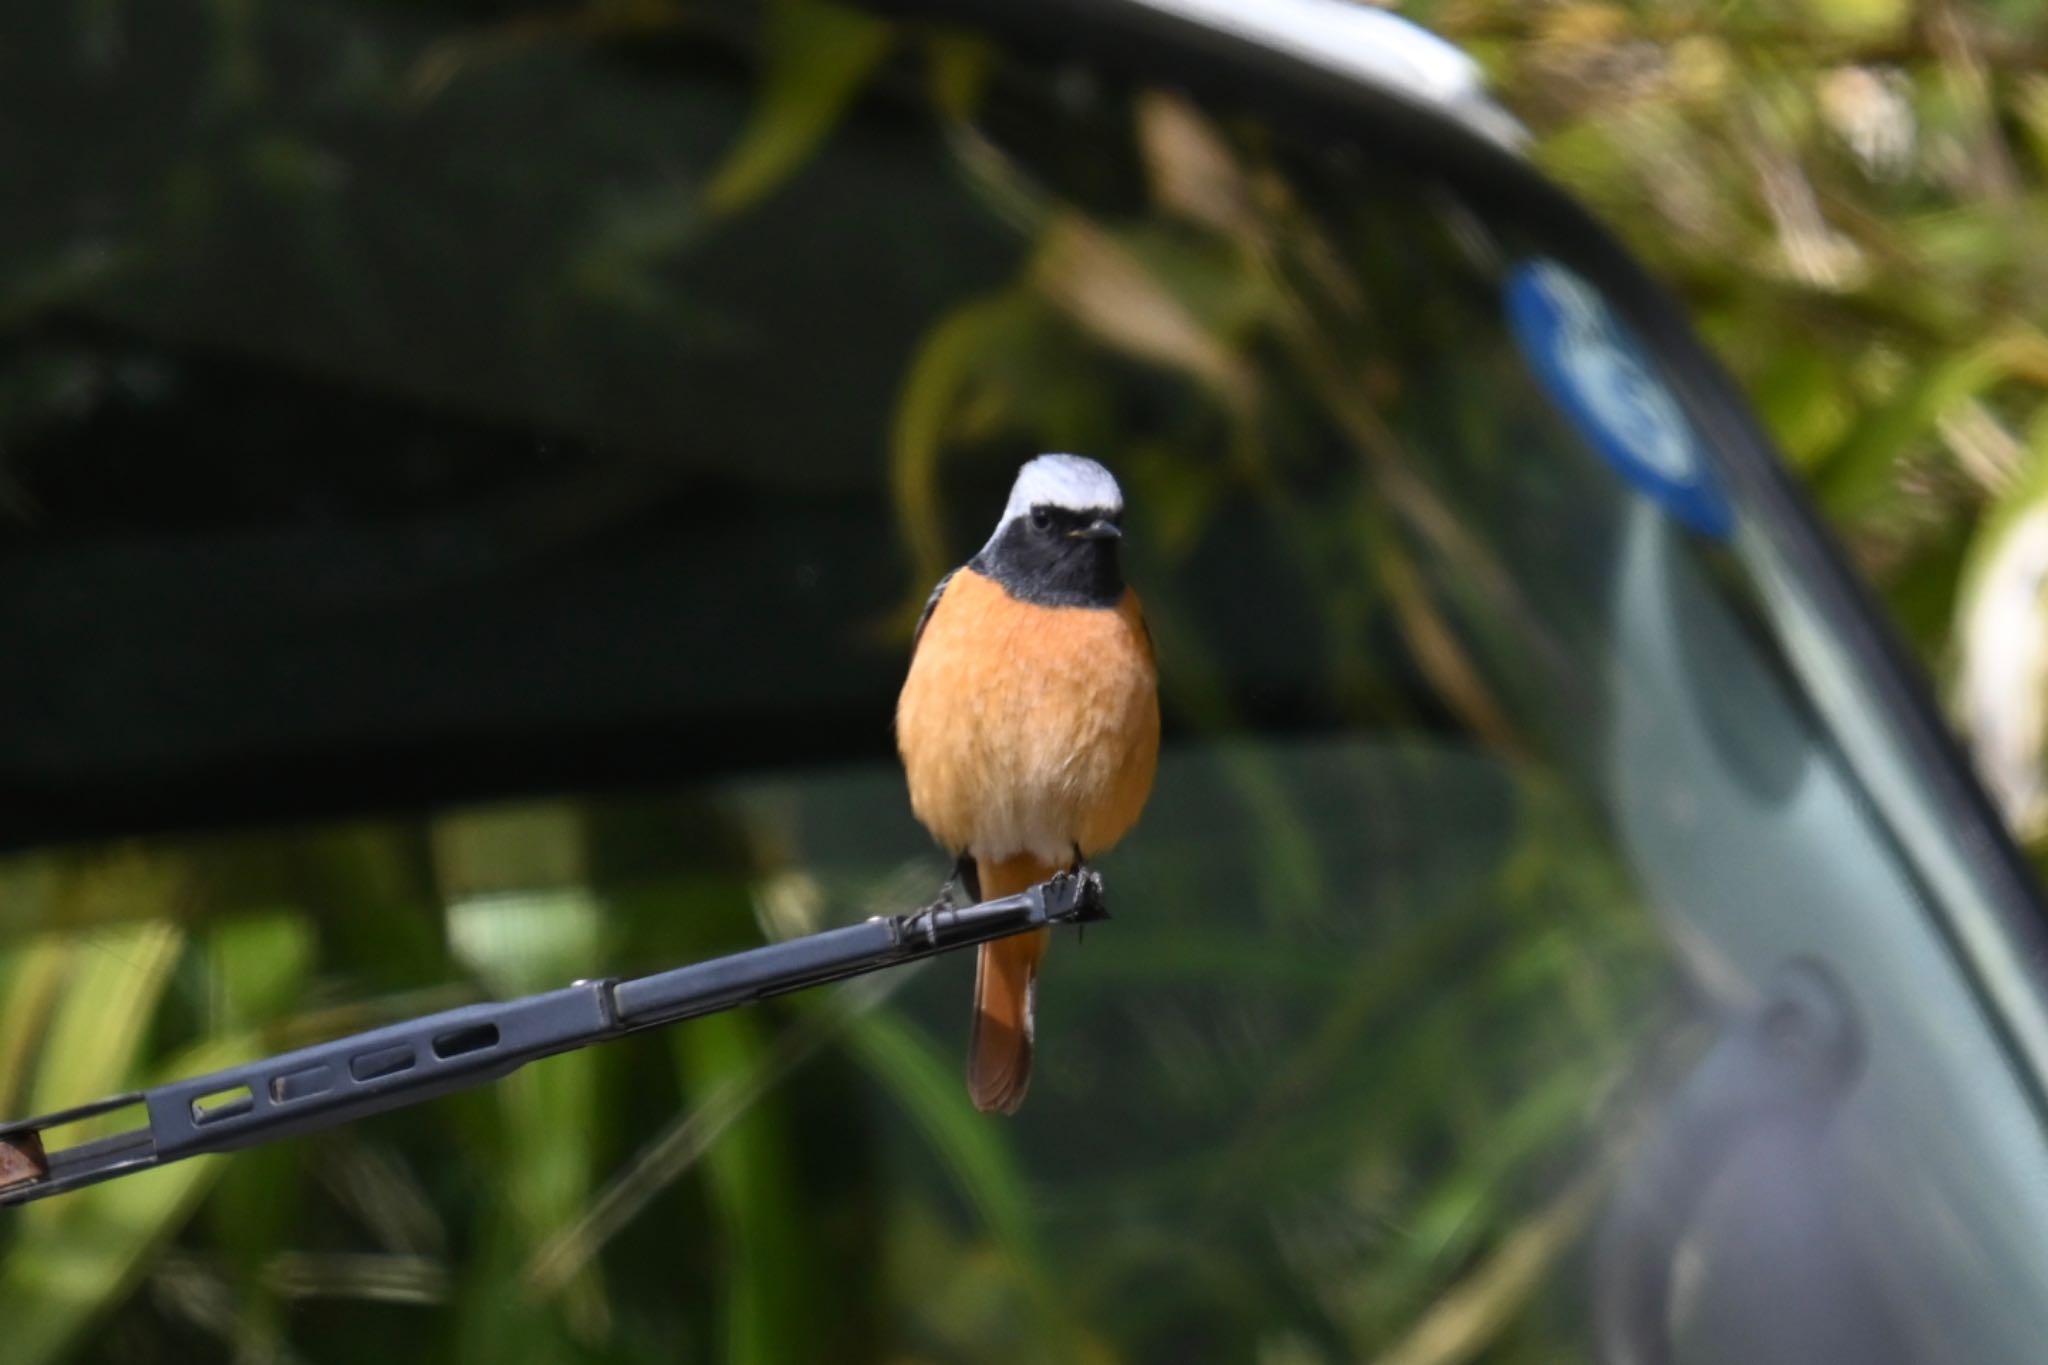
1075,895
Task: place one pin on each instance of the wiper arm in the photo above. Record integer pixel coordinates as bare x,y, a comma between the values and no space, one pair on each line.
406,1063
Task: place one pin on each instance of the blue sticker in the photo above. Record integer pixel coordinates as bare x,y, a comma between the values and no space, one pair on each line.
1607,387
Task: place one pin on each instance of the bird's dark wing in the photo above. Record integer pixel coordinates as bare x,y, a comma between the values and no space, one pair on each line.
930,605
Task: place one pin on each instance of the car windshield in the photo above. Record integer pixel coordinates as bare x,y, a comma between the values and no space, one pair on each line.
467,482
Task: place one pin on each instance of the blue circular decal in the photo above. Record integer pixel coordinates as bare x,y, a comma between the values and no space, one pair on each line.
1607,388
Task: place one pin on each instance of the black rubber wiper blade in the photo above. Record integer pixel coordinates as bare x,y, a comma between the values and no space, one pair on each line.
407,1063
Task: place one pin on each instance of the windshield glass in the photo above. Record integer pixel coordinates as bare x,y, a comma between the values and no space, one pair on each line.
486,471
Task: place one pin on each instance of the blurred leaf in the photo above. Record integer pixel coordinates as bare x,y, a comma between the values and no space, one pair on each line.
31,975
64,276
1104,284
960,67
1868,17
1862,468
1192,169
258,964
1801,400
508,848
770,1274
818,56
932,1093
72,1259
95,1036
948,361
1464,1322
523,942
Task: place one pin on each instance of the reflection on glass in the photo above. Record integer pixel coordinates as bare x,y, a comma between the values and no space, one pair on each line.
406,409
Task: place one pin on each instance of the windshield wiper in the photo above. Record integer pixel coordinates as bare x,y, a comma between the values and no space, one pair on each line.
401,1064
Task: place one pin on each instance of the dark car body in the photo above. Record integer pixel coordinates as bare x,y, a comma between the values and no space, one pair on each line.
469,476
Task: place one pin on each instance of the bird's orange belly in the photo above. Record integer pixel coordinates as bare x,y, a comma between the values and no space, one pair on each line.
1028,729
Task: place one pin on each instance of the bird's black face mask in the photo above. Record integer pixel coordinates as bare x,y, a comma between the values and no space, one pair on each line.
1058,557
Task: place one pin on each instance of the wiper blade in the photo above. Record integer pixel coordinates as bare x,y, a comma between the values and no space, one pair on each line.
407,1063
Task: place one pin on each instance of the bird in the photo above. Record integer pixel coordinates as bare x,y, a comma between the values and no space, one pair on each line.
1028,726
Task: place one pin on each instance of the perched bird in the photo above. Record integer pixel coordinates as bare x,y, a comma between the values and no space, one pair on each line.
1029,726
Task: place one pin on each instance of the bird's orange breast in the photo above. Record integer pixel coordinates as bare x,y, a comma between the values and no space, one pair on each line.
1029,729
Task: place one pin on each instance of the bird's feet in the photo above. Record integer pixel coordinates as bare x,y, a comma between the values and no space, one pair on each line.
1087,895
964,883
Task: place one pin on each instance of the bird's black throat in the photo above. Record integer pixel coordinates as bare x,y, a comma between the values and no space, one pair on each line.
1039,559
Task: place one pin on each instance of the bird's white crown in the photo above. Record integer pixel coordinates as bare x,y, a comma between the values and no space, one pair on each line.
1071,481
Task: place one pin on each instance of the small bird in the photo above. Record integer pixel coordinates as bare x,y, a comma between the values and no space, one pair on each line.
1029,726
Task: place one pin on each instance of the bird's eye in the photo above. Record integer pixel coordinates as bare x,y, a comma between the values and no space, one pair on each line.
1041,520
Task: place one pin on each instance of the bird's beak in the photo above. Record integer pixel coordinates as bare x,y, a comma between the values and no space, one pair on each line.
1102,528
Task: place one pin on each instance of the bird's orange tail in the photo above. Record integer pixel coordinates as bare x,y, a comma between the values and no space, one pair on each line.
1005,980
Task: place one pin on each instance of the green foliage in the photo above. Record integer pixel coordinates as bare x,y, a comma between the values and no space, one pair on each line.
1852,200
1333,1085
819,56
